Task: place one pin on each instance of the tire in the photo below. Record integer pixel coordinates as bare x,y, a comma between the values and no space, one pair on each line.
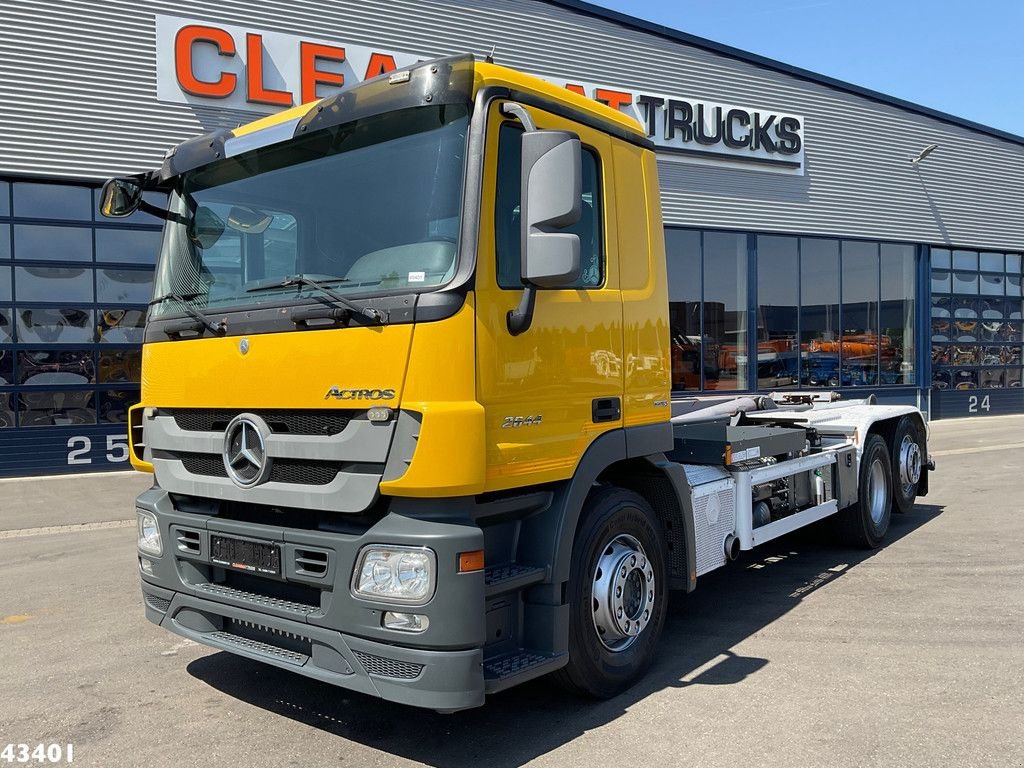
619,532
865,523
908,451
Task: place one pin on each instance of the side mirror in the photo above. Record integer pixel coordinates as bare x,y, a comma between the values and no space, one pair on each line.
551,201
120,197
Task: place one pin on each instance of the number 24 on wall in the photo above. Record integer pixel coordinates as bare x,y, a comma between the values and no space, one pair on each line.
973,405
80,445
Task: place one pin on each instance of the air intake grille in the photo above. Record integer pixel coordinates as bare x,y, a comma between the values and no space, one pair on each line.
189,541
378,665
304,422
295,471
156,603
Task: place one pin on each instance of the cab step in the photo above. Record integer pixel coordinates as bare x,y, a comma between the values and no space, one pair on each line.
518,666
499,579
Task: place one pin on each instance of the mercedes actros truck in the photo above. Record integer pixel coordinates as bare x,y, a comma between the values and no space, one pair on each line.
406,398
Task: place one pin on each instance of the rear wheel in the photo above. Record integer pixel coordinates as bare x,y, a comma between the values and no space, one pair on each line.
865,523
907,463
617,594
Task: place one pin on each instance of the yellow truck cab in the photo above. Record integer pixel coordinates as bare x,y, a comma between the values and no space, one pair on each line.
406,398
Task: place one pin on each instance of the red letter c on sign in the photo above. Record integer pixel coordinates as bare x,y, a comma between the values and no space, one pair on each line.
184,41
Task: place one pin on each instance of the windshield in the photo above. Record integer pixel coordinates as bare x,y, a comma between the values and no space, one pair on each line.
368,207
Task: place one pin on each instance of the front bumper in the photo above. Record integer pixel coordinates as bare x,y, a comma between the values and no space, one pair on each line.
310,623
441,680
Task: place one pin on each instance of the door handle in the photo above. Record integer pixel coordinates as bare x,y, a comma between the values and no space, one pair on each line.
606,409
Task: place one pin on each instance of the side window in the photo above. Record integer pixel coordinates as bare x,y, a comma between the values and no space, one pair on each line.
506,215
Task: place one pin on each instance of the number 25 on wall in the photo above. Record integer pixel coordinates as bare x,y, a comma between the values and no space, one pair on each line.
79,447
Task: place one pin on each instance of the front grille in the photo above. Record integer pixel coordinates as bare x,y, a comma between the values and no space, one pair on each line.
378,665
295,471
297,422
303,471
208,464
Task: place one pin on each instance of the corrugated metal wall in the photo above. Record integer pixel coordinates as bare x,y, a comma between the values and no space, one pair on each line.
78,98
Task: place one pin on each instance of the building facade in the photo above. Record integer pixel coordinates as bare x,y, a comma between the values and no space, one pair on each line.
818,235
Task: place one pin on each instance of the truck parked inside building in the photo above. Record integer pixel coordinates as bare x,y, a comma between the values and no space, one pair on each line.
406,398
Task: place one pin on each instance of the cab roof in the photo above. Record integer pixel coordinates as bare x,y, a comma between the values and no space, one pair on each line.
450,80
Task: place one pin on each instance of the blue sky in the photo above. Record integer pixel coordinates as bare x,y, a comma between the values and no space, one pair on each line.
965,58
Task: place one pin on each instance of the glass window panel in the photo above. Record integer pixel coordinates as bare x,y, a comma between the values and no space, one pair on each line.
1013,377
725,309
992,378
124,286
898,313
133,246
819,312
122,326
991,309
32,241
965,378
115,403
965,282
55,326
941,258
6,367
5,241
942,281
6,327
992,355
5,199
64,367
52,201
6,407
689,355
940,306
5,284
1012,309
860,341
1013,286
49,283
50,409
778,348
120,366
941,328
1013,263
992,262
965,260
992,285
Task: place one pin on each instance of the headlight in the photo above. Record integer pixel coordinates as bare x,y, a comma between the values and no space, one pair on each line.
395,574
149,534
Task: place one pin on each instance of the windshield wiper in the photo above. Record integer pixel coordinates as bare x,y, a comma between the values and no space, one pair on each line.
301,280
216,328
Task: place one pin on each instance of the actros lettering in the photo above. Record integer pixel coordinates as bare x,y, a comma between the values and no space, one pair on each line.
359,394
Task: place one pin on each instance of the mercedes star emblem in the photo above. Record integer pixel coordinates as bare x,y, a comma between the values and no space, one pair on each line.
245,450
243,346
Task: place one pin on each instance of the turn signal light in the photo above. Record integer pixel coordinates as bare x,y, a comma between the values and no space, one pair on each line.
471,561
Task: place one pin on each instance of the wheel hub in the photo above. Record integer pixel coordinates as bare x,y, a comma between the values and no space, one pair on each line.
623,593
877,498
910,461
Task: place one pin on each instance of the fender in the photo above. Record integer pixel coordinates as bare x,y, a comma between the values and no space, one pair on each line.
549,536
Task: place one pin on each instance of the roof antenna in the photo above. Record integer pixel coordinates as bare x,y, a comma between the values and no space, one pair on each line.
490,56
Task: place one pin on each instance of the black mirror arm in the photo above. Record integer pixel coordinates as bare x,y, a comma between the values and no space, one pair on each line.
518,111
520,318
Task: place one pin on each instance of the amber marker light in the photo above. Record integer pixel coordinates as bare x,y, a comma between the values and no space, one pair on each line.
471,561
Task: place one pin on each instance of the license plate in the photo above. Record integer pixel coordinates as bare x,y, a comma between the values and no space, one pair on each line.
251,556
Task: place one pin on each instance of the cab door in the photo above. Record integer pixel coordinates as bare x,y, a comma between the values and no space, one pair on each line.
550,391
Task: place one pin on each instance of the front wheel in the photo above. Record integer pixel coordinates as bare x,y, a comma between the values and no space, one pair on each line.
617,594
865,523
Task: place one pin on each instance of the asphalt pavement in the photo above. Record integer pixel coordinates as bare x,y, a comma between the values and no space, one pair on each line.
802,653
